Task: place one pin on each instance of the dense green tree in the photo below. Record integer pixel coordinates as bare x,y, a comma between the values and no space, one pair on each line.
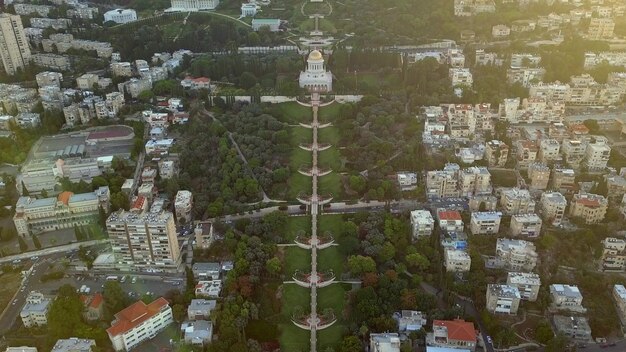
359,264
22,244
36,242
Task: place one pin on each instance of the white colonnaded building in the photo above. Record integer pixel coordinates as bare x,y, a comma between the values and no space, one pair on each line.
315,77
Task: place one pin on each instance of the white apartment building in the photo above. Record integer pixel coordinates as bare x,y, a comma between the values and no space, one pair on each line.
485,223
539,175
519,60
549,150
456,260
139,322
597,153
33,216
29,9
461,77
120,15
443,183
552,207
613,254
193,5
208,288
566,297
517,201
200,309
527,225
407,180
475,181
144,241
589,207
528,284
516,255
574,152
74,344
450,220
502,299
49,78
14,49
525,76
613,58
483,58
35,310
500,31
422,223
385,342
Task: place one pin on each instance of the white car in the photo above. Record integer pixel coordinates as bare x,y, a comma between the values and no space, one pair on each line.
134,280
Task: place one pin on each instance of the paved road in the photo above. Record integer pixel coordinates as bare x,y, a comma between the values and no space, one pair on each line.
53,250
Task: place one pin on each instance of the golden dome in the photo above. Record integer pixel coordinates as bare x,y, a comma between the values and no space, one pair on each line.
315,55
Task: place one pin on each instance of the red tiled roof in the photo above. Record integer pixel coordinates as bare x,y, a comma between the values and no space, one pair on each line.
199,79
449,215
579,128
65,197
96,301
134,315
588,202
138,204
458,329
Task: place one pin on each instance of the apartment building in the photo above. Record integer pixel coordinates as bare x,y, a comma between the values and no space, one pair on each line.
474,181
144,240
120,16
453,334
549,150
526,225
525,75
600,28
87,81
197,333
208,288
384,342
613,58
52,61
456,260
613,254
502,299
407,180
496,153
552,207
33,216
485,223
14,49
564,180
528,284
443,183
616,185
597,153
422,223
193,5
516,255
201,309
461,77
139,322
526,152
589,207
49,78
74,344
472,7
574,327
30,9
483,58
539,175
450,220
516,201
619,296
566,297
35,310
500,31
558,131
203,233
